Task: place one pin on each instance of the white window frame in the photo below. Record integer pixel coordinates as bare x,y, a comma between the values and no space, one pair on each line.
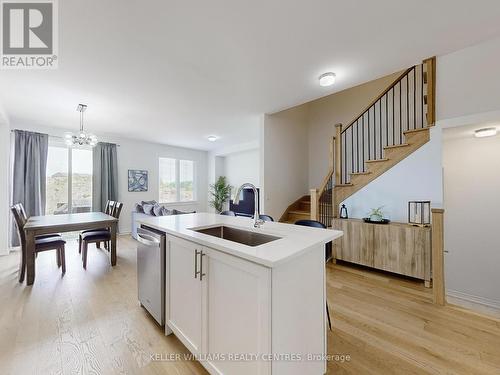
178,182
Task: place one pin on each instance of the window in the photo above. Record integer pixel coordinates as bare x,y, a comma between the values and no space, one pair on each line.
69,180
57,183
186,180
168,186
81,180
177,180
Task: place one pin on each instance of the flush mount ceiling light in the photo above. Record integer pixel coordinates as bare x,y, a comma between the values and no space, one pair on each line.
327,79
485,132
82,138
212,138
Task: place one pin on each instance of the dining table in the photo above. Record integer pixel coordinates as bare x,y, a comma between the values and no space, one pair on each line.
47,224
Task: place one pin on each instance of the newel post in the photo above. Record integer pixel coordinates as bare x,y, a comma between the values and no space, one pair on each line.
431,90
314,204
438,289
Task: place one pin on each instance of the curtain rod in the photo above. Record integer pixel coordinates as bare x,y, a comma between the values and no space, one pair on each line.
53,136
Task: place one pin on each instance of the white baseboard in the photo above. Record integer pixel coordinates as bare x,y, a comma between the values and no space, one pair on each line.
488,302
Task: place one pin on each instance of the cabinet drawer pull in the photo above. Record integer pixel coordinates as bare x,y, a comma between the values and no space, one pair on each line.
196,272
201,265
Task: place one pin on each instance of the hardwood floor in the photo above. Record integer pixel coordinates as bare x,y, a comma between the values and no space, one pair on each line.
389,325
89,322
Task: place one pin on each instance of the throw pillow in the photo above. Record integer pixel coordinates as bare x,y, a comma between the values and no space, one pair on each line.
165,211
157,209
148,209
138,208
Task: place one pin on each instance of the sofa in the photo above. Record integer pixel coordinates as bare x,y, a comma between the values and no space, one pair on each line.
146,209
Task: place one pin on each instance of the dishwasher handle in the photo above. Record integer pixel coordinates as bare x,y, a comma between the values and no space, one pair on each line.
148,240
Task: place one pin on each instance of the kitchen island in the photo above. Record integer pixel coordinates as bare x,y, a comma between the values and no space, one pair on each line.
246,300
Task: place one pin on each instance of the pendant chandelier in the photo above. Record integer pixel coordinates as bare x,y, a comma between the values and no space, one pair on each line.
82,138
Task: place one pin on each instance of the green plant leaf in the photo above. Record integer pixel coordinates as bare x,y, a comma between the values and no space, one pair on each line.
220,192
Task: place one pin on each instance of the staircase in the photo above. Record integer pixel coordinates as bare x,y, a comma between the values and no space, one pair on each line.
298,210
392,127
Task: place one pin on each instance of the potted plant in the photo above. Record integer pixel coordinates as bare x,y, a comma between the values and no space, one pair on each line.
376,215
220,193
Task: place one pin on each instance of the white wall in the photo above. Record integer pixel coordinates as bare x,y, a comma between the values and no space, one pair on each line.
144,155
241,167
4,185
285,152
418,177
472,207
468,81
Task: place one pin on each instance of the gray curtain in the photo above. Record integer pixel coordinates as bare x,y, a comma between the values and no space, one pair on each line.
29,174
105,175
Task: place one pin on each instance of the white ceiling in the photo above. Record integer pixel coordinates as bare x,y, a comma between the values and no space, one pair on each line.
177,71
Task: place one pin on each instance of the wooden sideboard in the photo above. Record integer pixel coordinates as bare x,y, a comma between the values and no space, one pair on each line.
394,247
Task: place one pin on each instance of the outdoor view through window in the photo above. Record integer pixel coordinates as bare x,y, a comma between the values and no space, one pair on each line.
176,180
68,168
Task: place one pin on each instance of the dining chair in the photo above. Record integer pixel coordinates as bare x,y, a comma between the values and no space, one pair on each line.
42,243
108,210
328,251
98,235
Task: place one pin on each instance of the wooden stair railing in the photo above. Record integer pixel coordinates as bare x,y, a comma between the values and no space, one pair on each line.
394,125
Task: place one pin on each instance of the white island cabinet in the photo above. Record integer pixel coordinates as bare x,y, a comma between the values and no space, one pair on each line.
255,310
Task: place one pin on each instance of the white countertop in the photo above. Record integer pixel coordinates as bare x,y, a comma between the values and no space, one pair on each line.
295,239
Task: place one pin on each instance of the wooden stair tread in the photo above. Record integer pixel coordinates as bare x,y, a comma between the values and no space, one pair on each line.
396,146
416,130
360,173
299,212
376,160
343,185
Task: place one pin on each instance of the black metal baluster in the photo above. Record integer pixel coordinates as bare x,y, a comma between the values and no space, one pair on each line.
363,143
352,150
414,97
400,115
344,178
407,102
422,92
386,121
380,125
369,154
357,147
374,134
393,126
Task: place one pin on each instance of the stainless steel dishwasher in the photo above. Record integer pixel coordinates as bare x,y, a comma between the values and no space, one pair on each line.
151,271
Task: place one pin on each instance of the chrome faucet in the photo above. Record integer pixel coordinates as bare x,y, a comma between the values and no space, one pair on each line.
256,215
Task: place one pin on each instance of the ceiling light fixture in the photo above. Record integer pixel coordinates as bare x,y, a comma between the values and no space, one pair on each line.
485,132
82,138
327,79
212,138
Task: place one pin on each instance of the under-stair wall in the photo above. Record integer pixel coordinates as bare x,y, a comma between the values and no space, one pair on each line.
417,177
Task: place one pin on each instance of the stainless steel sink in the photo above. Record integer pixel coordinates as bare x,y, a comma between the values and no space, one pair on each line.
244,237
